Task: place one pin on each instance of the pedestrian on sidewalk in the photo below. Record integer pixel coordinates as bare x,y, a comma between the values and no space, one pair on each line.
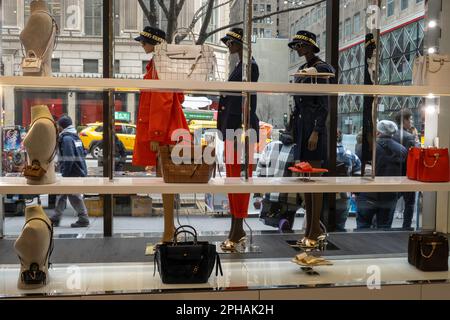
72,163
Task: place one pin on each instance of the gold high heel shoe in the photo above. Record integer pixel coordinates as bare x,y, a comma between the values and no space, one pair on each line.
301,242
309,244
229,245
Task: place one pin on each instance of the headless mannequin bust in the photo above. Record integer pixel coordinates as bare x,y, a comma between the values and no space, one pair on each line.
40,143
33,244
36,35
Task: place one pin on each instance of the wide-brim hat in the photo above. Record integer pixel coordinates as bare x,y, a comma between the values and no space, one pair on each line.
235,34
307,38
153,36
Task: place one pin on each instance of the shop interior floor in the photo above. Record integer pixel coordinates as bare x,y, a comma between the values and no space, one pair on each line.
120,249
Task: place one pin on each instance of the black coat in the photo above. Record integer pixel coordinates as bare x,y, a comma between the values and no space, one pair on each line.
390,157
311,114
230,107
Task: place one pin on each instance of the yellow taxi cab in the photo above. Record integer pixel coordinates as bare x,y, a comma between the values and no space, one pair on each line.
203,126
92,137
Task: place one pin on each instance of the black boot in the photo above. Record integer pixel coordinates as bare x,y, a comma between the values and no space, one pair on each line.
82,222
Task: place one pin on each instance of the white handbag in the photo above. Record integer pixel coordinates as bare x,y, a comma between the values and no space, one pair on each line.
431,70
185,62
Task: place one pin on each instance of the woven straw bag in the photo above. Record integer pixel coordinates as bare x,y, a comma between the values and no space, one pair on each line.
185,62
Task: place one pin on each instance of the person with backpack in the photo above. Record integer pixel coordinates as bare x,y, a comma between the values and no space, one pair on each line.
72,163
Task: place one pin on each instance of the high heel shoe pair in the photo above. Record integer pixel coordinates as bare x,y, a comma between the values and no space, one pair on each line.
229,245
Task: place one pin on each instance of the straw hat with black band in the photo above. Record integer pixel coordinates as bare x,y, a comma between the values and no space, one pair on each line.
153,36
305,37
235,34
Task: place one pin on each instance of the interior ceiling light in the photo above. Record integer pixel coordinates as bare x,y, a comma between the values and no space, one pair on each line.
432,24
432,50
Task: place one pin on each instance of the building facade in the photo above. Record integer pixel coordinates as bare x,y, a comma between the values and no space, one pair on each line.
78,52
402,34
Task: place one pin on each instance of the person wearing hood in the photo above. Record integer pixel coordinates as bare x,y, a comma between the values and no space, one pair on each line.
72,163
390,158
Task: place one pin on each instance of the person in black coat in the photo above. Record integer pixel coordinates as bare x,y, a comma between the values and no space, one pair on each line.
390,158
403,136
229,120
309,128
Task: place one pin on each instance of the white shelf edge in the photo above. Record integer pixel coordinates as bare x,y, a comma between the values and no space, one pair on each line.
231,185
130,85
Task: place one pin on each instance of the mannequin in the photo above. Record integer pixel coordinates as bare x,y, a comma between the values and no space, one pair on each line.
311,134
40,143
34,246
36,35
230,119
154,127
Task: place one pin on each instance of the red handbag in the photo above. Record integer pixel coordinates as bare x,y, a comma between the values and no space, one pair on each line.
428,165
412,162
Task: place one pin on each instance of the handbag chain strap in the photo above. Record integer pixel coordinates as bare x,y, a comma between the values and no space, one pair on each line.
441,61
432,251
436,159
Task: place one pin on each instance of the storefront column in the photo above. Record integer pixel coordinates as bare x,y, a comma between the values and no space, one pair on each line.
131,106
443,218
436,123
71,107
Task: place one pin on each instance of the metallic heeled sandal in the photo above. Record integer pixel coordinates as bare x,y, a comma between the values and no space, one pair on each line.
229,245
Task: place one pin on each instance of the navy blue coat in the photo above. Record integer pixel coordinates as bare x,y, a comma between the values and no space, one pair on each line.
230,107
71,156
391,157
311,114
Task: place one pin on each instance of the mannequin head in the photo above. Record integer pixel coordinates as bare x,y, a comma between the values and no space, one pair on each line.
40,111
304,42
234,40
151,37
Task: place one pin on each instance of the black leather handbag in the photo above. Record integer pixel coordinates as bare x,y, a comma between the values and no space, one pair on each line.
428,251
186,262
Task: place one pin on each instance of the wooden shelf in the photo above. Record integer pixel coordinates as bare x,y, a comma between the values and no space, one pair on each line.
229,185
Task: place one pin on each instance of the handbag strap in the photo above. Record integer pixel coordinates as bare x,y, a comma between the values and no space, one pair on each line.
436,159
218,265
182,229
52,157
51,244
189,31
433,244
440,62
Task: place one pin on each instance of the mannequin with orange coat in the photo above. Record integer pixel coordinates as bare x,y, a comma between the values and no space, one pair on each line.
160,114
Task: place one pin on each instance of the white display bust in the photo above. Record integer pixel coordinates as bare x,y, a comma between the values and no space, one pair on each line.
37,34
33,244
40,143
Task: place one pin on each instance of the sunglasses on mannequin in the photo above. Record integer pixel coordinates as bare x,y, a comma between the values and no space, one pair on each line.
229,43
298,45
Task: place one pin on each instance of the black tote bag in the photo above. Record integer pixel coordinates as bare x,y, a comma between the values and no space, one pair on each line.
186,262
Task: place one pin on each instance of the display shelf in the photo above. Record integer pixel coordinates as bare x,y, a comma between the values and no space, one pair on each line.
18,185
219,87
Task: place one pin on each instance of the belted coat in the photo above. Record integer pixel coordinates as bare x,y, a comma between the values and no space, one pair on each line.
160,114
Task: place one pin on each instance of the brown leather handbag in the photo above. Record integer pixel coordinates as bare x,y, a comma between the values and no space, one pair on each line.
428,251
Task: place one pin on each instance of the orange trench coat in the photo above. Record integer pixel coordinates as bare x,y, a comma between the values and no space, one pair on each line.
160,114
